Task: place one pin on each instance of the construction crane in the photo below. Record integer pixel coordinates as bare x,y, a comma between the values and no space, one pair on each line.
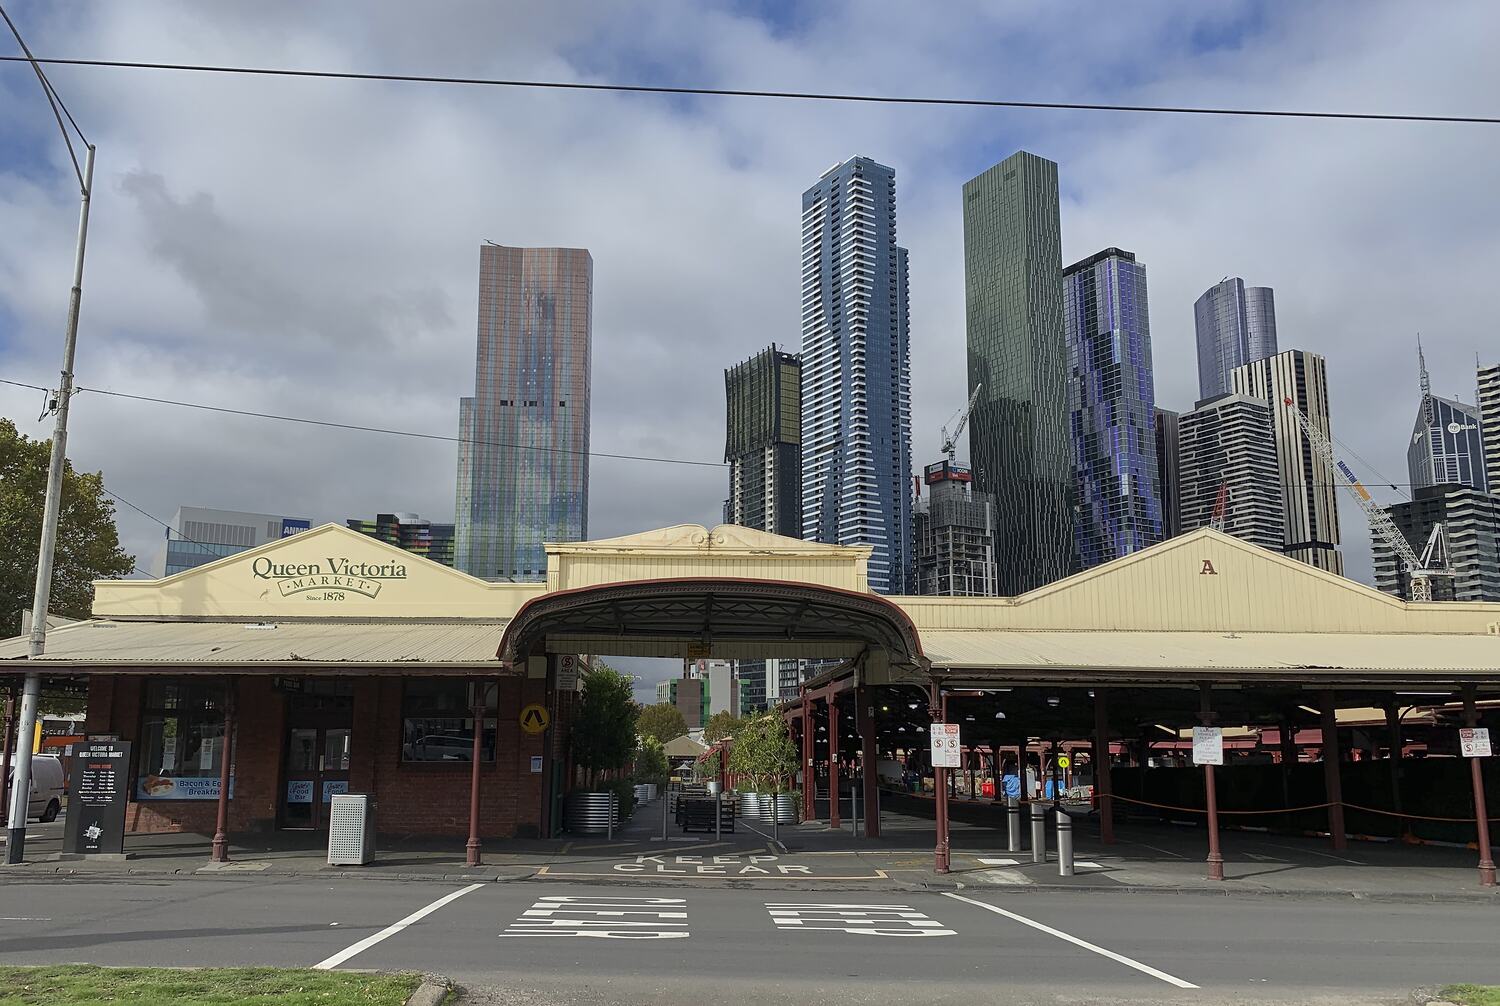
1418,568
950,440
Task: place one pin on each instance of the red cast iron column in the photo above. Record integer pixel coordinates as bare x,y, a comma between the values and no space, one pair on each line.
220,853
809,782
1103,785
939,704
1215,857
1481,814
864,701
473,858
1332,782
833,760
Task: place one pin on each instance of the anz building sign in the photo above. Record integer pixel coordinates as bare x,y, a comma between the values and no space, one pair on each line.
333,578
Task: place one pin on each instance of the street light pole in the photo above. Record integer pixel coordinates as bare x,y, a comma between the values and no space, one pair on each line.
15,846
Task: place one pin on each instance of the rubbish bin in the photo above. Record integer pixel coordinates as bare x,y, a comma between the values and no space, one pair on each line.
351,829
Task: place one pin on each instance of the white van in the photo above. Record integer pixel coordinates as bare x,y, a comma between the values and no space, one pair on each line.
46,788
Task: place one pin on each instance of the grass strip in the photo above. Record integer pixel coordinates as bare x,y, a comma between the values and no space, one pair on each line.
86,985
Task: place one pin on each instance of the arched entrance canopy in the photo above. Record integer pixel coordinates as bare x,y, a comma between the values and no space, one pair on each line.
712,616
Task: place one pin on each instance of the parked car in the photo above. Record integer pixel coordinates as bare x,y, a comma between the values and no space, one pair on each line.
46,788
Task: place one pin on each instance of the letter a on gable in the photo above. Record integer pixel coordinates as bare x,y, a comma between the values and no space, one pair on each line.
1208,568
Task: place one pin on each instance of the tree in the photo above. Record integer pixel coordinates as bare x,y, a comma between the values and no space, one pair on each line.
763,753
88,544
662,721
603,733
651,761
720,725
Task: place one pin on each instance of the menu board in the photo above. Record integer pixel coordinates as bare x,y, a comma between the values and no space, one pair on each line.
96,798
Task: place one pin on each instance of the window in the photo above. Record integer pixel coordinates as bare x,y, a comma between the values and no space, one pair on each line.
437,721
182,737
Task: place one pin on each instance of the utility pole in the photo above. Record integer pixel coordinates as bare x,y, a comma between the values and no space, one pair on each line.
20,800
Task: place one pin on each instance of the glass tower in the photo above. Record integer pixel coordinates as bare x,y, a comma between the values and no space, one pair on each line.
1112,408
523,466
1235,325
856,376
1018,431
763,443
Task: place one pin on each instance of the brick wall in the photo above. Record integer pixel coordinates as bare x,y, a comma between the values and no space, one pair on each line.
414,799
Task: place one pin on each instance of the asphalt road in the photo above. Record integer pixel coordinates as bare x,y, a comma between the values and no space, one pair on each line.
555,942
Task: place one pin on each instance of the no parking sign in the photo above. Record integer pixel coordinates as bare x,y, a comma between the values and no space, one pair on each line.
945,745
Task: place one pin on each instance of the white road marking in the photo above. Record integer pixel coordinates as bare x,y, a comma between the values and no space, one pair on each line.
862,920
1315,852
603,917
1164,852
1084,864
1261,859
1000,862
21,918
1070,938
392,930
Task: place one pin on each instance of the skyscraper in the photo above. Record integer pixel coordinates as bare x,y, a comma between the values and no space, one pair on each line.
1447,444
411,532
763,443
954,536
1235,325
1489,419
1117,488
1229,474
523,465
1018,432
856,377
1307,482
1169,471
199,535
1471,527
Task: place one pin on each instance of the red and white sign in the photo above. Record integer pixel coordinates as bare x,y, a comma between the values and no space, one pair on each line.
1474,742
1208,746
945,745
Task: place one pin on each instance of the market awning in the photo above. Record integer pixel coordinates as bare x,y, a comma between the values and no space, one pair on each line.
104,644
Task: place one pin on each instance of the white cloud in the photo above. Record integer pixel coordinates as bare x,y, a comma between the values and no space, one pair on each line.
309,247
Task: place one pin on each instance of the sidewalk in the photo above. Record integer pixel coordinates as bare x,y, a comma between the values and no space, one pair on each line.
1145,858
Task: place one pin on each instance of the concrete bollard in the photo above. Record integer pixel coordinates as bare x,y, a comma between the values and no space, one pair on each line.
1038,833
1064,843
1013,822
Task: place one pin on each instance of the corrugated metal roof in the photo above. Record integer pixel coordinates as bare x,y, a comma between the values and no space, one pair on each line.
110,642
1312,655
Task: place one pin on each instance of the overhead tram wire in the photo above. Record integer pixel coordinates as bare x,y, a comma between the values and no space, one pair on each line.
1397,486
730,92
379,429
54,100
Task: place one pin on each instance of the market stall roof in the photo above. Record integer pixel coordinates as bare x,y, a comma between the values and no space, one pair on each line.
684,747
102,644
1179,657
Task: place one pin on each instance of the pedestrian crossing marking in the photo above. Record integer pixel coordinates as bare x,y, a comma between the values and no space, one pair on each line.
604,917
1000,862
862,920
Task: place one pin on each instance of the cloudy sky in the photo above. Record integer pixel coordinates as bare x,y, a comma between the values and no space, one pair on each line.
311,247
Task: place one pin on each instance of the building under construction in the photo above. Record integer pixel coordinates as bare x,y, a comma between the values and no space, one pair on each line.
1470,540
953,535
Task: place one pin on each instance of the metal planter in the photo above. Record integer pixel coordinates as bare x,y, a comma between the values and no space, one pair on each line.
590,813
750,806
783,806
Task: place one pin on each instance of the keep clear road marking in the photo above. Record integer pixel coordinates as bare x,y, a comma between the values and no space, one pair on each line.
392,930
1144,968
864,920
604,918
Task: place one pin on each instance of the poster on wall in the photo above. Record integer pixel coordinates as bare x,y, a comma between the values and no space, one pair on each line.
186,787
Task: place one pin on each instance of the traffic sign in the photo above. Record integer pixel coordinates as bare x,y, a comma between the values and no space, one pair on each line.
1063,761
945,745
1208,746
1474,742
534,718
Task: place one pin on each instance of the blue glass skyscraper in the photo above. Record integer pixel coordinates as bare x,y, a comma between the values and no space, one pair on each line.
856,376
1111,408
1235,325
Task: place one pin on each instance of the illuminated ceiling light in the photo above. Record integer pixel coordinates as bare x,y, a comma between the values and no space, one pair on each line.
901,730
885,709
921,730
1310,709
912,705
1166,729
999,715
1054,701
969,719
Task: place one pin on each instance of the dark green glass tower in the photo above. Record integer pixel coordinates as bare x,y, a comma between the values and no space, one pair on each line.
1018,431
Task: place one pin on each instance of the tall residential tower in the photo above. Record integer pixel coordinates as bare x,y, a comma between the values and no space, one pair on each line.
856,377
523,463
1112,408
1229,474
1489,419
763,443
1018,431
1309,504
1235,325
